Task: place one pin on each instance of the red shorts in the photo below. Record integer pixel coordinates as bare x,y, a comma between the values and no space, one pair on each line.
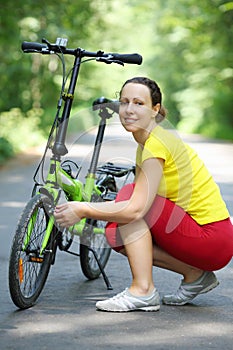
208,247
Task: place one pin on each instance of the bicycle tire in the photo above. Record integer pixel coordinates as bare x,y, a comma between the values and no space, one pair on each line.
98,243
65,239
28,271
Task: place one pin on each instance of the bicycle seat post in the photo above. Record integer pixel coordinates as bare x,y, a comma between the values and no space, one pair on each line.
98,144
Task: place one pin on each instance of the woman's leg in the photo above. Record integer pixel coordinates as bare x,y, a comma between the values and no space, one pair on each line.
142,255
165,261
139,250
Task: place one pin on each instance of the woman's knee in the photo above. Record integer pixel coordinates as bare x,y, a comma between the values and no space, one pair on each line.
113,236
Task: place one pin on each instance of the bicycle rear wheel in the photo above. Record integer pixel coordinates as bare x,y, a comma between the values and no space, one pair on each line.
28,268
98,243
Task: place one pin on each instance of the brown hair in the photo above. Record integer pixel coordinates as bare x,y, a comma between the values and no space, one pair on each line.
155,92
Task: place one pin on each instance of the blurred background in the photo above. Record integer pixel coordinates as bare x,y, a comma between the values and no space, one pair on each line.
186,47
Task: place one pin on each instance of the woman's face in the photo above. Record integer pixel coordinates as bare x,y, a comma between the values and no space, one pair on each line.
136,111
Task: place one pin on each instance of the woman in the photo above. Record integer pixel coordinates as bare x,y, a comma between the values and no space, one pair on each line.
172,217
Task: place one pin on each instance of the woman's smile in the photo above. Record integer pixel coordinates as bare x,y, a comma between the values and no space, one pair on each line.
130,120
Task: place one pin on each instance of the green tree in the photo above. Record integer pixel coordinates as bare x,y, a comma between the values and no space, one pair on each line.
31,82
186,46
196,64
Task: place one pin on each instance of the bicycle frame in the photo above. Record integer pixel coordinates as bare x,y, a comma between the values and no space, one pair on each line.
37,236
58,179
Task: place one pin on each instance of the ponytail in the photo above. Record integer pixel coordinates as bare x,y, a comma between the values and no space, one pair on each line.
161,115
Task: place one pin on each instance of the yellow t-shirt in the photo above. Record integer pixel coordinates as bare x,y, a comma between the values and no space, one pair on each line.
185,181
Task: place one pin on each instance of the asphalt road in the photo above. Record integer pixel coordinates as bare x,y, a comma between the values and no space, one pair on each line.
65,316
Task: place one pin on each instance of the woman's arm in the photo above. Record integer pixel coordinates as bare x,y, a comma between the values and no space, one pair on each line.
146,186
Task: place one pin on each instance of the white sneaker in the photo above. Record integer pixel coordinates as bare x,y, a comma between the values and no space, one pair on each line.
125,301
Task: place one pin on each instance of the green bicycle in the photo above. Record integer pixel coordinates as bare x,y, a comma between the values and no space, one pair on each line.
37,235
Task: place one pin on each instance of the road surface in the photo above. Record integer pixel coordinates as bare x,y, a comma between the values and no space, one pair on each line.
65,316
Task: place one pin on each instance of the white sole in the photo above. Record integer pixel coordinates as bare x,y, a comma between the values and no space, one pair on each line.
146,308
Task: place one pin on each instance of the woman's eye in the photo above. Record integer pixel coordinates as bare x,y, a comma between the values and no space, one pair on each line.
125,103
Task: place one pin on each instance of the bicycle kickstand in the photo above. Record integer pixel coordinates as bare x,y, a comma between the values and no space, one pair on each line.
105,277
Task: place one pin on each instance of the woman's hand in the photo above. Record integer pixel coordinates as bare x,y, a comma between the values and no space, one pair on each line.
67,214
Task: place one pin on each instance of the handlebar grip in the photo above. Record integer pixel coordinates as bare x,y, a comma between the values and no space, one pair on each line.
133,58
28,46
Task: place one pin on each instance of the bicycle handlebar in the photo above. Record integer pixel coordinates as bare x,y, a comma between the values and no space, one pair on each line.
47,48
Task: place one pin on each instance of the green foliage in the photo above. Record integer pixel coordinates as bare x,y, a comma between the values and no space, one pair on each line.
186,46
20,130
6,150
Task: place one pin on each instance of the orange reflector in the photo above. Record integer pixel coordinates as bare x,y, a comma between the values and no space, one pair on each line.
21,270
35,259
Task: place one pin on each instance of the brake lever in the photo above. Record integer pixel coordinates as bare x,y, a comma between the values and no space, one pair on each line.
51,48
108,61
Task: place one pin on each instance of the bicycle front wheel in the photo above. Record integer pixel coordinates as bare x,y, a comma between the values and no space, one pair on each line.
28,266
